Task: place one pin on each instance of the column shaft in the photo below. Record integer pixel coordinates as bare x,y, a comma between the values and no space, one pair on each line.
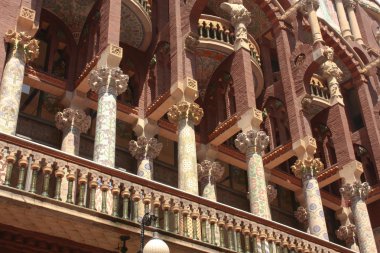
71,139
208,190
314,25
364,232
187,160
257,188
354,24
314,207
343,22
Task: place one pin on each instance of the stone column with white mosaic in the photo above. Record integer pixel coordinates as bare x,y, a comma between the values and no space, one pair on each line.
108,83
356,194
186,115
209,173
72,122
145,150
22,49
253,143
307,170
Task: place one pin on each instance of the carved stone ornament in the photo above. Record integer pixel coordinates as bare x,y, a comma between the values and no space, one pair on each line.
145,148
72,117
108,79
355,190
301,215
21,41
258,140
272,193
191,41
212,171
307,168
350,3
308,5
183,110
347,233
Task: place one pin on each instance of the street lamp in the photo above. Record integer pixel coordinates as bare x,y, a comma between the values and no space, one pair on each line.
155,245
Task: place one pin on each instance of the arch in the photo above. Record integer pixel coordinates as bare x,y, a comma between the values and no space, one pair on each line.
369,168
325,145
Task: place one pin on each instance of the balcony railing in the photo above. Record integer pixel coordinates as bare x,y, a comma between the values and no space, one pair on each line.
146,5
212,224
318,88
221,30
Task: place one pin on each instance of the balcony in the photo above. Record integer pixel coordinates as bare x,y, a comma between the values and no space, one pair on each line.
48,191
216,40
319,97
136,24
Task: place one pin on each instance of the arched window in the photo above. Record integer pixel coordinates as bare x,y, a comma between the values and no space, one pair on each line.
370,174
325,145
278,122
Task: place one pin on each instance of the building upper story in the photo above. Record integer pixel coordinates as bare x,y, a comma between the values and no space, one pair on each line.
304,72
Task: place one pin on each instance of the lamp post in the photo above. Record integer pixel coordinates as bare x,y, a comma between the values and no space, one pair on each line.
155,245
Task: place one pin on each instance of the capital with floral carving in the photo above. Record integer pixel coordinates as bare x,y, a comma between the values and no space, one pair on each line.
308,5
301,215
271,192
254,140
212,171
307,168
108,79
24,42
73,117
355,190
145,148
183,110
347,233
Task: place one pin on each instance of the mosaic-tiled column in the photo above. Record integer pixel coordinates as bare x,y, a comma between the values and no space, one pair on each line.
307,170
108,83
23,49
209,173
186,115
253,143
145,150
72,122
356,194
333,75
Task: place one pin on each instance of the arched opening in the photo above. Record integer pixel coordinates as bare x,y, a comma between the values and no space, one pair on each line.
369,170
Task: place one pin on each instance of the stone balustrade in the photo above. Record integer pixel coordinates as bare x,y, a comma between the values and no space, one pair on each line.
145,4
318,89
202,221
221,30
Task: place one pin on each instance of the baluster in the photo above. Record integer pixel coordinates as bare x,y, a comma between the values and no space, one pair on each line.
115,197
285,245
104,188
125,194
194,217
200,29
230,234
300,247
208,30
270,240
147,200
156,209
292,246
237,229
11,158
47,170
175,209
22,163
254,235
166,208
59,174
93,186
246,232
213,220
263,241
136,197
35,168
214,31
70,181
277,242
204,218
221,34
185,213
228,36
221,225
82,186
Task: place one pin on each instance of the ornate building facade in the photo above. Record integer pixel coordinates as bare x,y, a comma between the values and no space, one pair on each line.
242,125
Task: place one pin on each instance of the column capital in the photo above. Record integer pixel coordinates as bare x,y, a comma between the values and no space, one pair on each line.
258,140
347,233
355,190
308,5
271,192
145,148
183,110
23,41
350,3
212,170
307,168
107,79
73,117
301,215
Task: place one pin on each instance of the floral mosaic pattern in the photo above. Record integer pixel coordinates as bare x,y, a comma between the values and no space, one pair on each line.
10,93
314,207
